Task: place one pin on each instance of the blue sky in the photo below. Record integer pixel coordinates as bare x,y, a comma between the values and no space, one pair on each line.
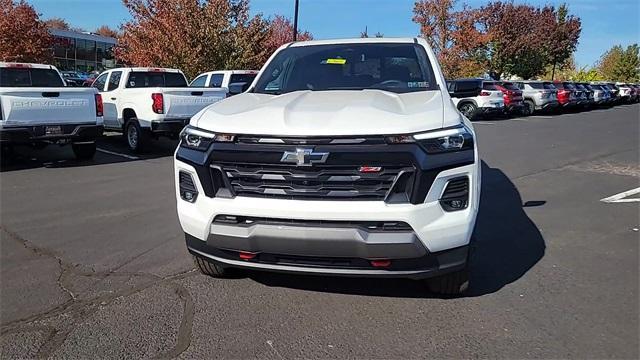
604,23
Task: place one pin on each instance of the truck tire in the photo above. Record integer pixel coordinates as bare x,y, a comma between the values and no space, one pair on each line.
468,110
210,268
455,283
529,108
84,151
135,137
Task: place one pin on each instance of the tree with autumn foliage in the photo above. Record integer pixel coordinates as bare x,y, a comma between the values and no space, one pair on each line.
106,31
453,36
57,23
23,37
498,38
280,33
200,35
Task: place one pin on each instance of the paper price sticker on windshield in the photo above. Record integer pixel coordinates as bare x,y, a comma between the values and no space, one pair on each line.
418,84
336,61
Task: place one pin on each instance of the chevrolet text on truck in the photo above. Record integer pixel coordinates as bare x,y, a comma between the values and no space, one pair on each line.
37,109
146,103
344,157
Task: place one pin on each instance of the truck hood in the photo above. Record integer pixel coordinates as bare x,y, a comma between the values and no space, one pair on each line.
320,113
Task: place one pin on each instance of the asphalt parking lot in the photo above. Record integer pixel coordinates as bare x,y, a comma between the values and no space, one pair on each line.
93,262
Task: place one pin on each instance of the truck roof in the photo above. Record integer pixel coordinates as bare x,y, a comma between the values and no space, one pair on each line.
231,72
150,69
352,41
25,65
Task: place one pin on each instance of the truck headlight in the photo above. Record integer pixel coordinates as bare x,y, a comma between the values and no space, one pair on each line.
447,140
197,139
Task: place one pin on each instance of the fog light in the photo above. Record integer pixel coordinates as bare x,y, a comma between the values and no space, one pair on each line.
188,191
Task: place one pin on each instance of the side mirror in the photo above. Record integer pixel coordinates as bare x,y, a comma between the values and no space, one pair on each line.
238,88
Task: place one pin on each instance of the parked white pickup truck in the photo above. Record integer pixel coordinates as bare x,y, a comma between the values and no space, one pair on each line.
37,109
150,102
224,78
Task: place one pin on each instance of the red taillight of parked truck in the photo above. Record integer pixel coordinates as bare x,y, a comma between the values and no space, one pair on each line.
564,96
158,103
99,105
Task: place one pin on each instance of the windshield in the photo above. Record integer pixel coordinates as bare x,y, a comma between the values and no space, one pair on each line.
397,68
19,77
142,79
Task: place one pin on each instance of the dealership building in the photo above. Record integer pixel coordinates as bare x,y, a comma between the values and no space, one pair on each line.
85,52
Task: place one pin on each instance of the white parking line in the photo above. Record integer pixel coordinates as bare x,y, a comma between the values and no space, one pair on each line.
482,123
131,157
620,198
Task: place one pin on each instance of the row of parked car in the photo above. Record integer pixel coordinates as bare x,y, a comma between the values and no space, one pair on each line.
477,98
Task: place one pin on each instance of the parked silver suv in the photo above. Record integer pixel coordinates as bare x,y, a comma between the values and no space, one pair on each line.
538,95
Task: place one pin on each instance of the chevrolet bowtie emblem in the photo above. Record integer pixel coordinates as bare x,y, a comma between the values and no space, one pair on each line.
304,157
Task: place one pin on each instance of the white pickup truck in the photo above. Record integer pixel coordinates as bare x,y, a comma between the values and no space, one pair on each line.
150,102
37,109
344,157
223,79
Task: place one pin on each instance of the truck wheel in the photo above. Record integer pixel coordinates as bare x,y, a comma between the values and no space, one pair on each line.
84,151
210,268
454,283
135,137
468,110
529,107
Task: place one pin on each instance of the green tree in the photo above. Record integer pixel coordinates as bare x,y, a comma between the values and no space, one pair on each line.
619,64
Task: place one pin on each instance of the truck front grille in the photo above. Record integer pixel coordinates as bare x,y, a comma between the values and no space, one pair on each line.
324,182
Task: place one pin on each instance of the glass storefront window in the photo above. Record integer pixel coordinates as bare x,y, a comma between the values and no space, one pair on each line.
71,54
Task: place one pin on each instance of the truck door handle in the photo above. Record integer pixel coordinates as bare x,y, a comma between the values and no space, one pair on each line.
50,94
197,93
113,98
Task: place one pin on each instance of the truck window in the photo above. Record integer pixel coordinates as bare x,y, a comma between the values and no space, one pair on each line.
398,68
100,82
216,80
144,79
29,77
200,81
536,85
510,86
245,78
114,80
489,86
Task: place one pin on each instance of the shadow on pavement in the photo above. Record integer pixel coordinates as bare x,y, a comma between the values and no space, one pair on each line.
111,149
507,244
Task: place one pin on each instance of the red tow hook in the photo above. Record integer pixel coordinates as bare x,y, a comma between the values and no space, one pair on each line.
245,255
381,263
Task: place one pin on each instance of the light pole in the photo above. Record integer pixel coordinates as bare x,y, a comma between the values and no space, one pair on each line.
295,23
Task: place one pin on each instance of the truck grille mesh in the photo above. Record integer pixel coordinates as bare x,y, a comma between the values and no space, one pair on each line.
317,182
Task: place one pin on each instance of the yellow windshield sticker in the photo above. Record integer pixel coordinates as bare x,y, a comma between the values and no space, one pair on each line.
336,61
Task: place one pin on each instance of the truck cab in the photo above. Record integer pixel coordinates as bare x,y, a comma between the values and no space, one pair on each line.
145,103
222,79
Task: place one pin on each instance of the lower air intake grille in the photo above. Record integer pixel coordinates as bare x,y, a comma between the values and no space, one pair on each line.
456,194
188,191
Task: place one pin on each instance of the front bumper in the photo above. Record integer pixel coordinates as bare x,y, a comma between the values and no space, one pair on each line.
548,105
38,133
434,230
428,265
515,107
